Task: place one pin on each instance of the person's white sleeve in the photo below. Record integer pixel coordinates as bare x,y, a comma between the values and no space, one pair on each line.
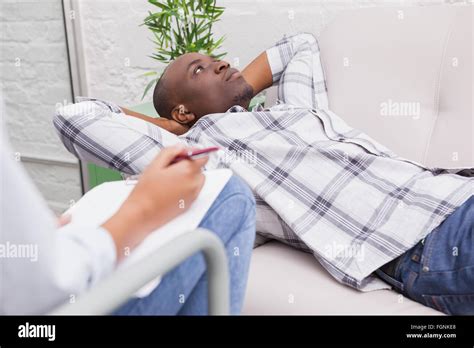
41,266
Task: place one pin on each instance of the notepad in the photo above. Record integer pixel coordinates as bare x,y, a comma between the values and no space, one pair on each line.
100,203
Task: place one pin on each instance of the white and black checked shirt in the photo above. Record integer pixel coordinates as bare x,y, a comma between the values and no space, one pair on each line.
320,185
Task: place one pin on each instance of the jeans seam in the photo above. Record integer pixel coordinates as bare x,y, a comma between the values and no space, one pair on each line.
430,247
409,286
398,269
438,305
451,270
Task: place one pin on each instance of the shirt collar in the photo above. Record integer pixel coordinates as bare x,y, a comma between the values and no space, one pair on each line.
238,108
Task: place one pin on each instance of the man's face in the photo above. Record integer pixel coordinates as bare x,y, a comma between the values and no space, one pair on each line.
205,85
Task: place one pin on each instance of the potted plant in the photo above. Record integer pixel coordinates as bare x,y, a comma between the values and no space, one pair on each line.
182,26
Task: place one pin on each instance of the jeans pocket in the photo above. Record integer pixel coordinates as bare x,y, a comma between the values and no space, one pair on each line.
451,304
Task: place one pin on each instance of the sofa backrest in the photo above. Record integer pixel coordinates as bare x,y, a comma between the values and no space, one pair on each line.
404,76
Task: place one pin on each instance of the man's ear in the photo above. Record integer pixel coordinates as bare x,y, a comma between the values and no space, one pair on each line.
182,115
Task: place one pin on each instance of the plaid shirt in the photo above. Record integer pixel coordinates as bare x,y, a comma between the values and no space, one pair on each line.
320,185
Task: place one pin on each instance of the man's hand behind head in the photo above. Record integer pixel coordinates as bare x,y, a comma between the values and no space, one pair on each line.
177,128
165,123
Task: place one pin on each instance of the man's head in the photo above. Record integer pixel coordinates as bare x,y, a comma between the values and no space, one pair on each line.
195,85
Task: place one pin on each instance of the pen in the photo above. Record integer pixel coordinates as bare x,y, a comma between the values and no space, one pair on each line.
191,154
194,154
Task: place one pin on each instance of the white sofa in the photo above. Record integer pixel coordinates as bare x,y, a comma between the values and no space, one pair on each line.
418,59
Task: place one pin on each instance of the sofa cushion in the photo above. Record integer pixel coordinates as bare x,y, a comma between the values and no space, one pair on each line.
283,280
404,77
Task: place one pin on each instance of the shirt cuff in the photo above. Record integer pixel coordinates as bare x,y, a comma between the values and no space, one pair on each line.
275,63
279,56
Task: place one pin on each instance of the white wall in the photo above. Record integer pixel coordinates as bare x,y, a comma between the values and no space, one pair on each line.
34,76
117,49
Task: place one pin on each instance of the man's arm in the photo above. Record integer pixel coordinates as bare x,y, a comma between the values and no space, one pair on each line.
170,125
294,64
99,132
258,74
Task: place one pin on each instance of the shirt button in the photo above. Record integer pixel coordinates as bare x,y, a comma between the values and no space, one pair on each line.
426,269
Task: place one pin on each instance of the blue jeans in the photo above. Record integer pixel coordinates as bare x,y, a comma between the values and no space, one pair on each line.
183,291
439,271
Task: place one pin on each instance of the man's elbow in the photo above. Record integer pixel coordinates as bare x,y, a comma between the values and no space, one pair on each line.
65,121
76,110
308,37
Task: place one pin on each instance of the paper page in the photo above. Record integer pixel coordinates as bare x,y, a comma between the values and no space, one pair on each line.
99,204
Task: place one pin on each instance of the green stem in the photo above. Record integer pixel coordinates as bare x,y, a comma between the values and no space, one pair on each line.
210,25
176,18
195,24
186,28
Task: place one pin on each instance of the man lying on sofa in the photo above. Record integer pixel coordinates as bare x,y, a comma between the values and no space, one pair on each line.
321,186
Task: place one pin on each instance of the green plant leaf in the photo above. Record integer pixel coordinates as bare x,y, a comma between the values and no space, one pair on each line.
174,35
148,86
150,73
159,4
